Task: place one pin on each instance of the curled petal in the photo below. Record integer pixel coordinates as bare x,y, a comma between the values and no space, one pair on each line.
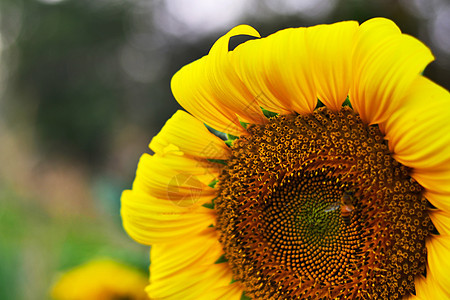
210,89
277,71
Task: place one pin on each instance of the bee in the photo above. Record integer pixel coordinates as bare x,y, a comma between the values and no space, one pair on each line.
345,205
346,212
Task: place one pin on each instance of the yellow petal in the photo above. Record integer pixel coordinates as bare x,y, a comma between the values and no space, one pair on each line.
441,220
428,288
277,70
176,178
438,248
385,63
231,90
184,134
150,220
330,47
210,89
412,297
439,200
419,131
233,291
251,70
433,180
100,279
419,137
185,269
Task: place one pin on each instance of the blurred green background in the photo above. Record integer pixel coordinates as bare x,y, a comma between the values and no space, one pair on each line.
85,85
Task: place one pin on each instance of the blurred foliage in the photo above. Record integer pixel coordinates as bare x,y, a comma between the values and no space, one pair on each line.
75,65
33,244
67,73
88,82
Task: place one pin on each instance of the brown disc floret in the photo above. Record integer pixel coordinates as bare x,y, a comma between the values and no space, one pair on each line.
315,207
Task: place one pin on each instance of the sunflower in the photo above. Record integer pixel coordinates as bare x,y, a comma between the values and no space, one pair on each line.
100,279
323,171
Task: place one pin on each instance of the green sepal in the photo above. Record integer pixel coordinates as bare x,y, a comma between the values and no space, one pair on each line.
231,137
213,183
211,226
219,161
243,124
347,102
244,297
222,259
210,205
233,281
218,133
268,114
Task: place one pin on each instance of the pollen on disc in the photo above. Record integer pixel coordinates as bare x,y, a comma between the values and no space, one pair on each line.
315,207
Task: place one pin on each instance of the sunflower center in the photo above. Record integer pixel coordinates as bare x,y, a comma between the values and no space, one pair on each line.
312,218
315,207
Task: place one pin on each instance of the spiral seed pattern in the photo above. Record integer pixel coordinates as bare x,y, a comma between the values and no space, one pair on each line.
315,207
